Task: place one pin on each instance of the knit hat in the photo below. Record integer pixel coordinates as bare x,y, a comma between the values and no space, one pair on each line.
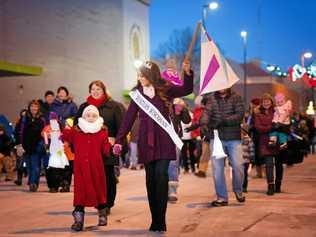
90,109
255,101
53,115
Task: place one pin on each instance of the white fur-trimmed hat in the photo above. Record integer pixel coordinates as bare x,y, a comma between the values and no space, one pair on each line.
90,109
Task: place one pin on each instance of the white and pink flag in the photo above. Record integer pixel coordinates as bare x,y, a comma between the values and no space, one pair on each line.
216,73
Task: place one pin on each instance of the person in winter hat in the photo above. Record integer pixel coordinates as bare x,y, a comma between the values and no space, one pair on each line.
91,143
57,157
32,125
170,73
281,121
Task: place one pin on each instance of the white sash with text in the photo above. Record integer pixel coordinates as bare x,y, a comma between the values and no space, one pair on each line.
155,114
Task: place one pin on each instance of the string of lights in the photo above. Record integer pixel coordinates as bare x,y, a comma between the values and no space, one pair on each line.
296,72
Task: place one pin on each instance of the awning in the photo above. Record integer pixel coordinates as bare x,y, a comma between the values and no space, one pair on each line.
10,69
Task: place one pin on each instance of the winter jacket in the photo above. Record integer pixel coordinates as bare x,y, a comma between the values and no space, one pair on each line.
197,113
5,145
223,114
64,109
31,129
7,125
17,131
248,148
263,126
45,110
154,143
112,113
89,174
183,117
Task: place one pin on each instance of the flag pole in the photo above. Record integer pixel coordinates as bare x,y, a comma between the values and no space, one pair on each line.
192,44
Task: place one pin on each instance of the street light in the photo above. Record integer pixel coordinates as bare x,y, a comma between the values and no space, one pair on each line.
306,55
211,6
243,35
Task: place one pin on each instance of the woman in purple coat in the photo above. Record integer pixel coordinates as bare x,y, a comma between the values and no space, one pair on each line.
156,146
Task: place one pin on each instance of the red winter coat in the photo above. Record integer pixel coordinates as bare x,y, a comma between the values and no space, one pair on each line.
89,175
197,113
263,125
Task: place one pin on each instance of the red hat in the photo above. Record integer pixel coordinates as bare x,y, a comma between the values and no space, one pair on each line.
255,101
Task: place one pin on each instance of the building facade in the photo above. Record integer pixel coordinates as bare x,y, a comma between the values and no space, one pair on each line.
74,42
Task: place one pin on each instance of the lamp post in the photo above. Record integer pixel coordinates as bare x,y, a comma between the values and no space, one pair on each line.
307,55
211,6
243,35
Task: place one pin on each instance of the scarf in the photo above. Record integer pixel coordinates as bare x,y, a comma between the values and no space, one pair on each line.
97,102
88,127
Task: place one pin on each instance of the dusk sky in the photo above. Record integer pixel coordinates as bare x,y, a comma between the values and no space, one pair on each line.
285,30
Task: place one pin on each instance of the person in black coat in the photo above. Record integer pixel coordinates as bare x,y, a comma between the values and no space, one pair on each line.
49,97
20,161
32,143
5,152
112,114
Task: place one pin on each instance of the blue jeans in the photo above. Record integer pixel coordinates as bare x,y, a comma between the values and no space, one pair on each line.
173,170
33,164
233,150
133,154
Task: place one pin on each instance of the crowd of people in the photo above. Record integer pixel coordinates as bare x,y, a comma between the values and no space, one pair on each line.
161,134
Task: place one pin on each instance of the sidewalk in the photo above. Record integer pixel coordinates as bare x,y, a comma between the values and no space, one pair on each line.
291,213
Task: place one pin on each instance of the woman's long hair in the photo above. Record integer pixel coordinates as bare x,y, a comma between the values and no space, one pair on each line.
266,96
36,103
151,72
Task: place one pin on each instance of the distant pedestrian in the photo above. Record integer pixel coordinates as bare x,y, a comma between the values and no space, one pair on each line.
32,125
224,111
263,124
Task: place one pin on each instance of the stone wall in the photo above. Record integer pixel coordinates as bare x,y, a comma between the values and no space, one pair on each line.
75,41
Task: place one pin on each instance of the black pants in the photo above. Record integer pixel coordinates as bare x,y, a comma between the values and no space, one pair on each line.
110,184
54,177
67,175
20,169
157,192
187,153
272,162
245,182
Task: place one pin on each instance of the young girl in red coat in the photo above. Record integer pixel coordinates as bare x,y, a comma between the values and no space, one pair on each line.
90,141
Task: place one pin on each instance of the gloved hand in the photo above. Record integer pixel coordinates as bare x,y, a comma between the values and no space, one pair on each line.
46,146
192,127
117,149
189,129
